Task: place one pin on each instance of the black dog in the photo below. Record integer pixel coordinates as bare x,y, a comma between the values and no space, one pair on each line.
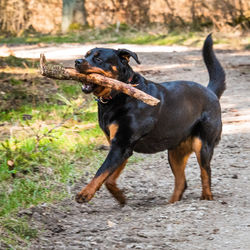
188,119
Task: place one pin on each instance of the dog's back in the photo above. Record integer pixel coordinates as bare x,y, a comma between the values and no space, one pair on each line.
183,108
186,108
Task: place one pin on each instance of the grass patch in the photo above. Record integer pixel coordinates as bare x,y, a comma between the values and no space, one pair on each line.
131,35
108,35
12,61
16,233
19,227
48,138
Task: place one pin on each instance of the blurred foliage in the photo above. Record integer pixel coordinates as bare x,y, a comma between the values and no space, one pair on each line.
12,61
130,35
19,16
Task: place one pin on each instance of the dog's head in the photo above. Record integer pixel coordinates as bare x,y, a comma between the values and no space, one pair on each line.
108,62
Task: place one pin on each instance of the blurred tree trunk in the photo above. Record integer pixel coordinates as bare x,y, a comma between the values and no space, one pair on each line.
80,13
73,12
50,16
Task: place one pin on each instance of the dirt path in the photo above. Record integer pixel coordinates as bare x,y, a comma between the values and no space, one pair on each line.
147,221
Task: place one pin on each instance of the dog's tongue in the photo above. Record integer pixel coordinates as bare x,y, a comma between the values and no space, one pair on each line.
87,88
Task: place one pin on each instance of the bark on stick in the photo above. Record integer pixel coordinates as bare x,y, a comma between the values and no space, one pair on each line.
57,71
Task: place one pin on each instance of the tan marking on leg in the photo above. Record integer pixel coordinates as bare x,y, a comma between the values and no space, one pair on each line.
206,187
112,186
178,159
112,130
205,176
196,144
88,192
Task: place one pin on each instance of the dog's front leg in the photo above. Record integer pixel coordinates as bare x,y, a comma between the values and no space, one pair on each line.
116,157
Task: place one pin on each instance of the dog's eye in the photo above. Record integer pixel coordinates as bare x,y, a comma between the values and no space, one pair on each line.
88,54
98,59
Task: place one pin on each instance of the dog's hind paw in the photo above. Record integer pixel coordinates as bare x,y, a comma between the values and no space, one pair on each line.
208,197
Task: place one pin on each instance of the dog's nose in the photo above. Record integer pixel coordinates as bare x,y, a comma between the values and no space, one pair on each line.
78,62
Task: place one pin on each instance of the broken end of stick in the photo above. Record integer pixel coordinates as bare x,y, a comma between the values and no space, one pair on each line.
42,63
154,102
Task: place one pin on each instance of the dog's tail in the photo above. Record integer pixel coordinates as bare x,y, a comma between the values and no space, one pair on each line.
216,73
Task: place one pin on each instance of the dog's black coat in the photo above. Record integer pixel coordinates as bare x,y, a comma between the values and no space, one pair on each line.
186,110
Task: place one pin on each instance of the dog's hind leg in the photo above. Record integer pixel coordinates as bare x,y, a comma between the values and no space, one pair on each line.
178,159
204,153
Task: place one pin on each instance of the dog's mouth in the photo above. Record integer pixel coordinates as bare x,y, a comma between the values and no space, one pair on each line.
88,88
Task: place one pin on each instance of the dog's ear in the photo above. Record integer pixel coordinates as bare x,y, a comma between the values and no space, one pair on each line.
126,54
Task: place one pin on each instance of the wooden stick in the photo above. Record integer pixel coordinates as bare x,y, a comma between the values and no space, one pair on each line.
57,71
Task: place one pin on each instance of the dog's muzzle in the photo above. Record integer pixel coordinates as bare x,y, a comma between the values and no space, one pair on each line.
80,64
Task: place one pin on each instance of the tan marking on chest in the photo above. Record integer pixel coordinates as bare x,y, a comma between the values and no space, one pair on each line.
112,130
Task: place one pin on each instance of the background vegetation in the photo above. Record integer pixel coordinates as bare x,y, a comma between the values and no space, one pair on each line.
18,16
48,137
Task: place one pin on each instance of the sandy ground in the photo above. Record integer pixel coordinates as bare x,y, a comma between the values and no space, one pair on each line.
148,221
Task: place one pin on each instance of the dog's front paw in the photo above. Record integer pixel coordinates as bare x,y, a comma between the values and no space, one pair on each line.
83,196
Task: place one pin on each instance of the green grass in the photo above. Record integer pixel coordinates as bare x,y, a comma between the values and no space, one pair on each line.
104,36
16,234
69,90
19,227
43,154
42,168
129,35
12,61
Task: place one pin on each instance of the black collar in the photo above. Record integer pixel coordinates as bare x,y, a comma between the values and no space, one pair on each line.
103,100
